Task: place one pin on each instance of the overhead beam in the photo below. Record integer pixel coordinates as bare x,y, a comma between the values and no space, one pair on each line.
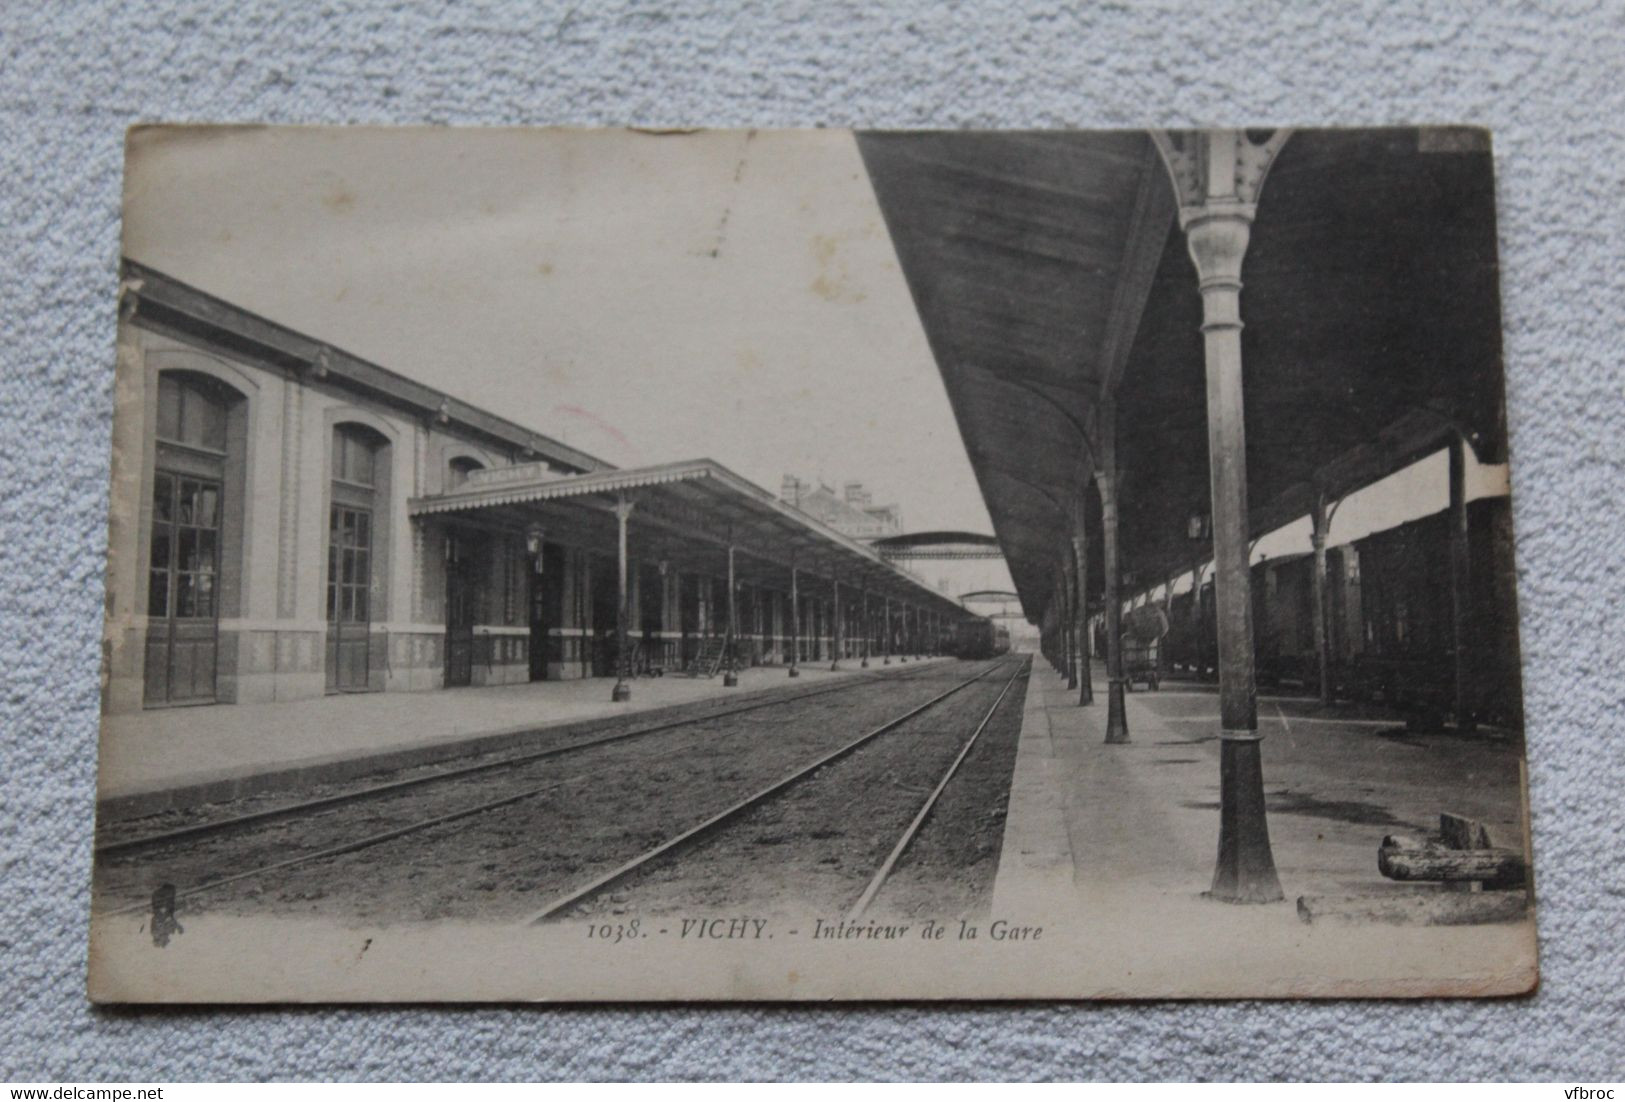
1149,223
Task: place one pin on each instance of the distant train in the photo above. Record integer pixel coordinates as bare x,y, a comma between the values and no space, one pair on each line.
980,638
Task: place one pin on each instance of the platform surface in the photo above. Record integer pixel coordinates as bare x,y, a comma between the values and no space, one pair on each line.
1121,840
147,753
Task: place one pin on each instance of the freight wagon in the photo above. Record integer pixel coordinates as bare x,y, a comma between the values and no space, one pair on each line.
1390,618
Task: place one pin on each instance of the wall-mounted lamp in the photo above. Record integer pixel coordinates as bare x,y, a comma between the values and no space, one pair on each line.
535,536
1199,526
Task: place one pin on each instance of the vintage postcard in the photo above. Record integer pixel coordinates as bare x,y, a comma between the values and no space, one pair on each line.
808,565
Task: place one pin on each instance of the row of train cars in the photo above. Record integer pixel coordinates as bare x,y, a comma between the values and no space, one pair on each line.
1390,616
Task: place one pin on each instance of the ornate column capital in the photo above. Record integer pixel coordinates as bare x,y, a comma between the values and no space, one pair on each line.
1217,176
1218,171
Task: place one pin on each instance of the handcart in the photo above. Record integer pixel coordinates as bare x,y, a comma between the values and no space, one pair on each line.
1144,629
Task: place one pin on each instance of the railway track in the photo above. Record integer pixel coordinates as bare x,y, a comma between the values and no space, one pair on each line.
118,854
670,847
210,827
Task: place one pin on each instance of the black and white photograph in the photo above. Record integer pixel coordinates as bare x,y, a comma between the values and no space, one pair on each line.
689,564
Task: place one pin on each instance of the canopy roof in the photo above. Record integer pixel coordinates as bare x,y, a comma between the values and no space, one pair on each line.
1052,284
685,514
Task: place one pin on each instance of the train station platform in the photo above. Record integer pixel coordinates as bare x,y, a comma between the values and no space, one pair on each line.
178,757
1115,845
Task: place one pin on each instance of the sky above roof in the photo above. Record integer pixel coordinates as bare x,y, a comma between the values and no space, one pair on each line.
646,298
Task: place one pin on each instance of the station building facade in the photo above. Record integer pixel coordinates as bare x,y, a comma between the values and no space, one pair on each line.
291,521
852,512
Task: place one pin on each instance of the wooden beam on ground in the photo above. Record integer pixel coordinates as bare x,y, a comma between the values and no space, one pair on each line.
1502,867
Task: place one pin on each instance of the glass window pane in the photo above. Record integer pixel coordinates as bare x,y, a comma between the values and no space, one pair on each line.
160,547
203,588
332,599
210,418
189,417
207,514
163,497
185,598
363,573
158,593
169,408
186,558
360,605
205,550
361,526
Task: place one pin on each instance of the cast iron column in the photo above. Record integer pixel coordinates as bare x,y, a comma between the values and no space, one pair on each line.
1319,522
868,625
1080,614
1106,479
836,629
1063,586
795,620
1217,175
1198,636
1460,578
730,678
622,691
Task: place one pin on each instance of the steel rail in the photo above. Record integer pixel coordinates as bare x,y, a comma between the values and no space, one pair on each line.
347,847
620,872
924,813
236,822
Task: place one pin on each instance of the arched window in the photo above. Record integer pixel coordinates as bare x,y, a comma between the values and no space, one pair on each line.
196,523
192,410
458,470
355,552
354,455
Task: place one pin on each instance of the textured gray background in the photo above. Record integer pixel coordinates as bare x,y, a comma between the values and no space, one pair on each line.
73,76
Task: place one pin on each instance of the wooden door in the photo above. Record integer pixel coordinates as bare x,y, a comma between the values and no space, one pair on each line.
539,620
605,591
349,598
183,607
460,615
